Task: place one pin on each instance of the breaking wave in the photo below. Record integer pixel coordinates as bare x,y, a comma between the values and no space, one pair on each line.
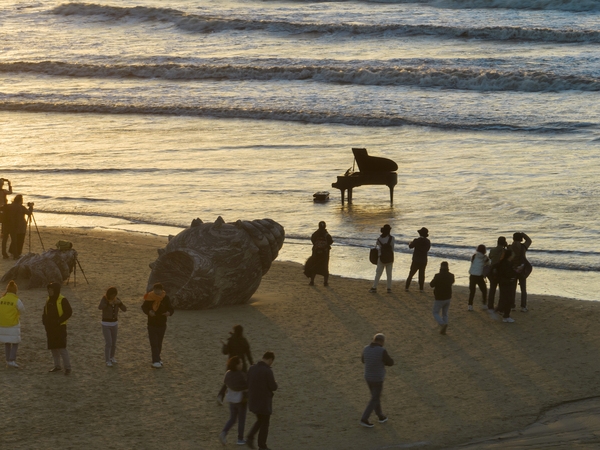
289,115
209,24
421,76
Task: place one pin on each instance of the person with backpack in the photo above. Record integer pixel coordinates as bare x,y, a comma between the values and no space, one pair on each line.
442,292
385,246
318,263
236,382
421,247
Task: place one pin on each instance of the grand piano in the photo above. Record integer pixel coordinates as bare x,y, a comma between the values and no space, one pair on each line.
372,170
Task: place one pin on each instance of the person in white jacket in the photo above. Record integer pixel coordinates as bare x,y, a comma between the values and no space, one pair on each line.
476,275
11,308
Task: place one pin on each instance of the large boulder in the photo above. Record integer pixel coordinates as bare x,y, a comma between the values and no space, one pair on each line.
37,270
216,264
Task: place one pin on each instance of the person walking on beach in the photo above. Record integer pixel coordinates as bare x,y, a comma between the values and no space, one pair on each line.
236,345
110,305
479,262
442,292
57,311
421,247
375,358
237,387
495,255
3,202
521,265
385,247
319,262
11,309
261,388
17,224
157,306
507,282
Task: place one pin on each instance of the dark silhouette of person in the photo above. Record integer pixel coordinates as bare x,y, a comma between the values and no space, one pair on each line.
507,282
318,263
261,388
421,247
385,248
495,256
236,345
442,292
521,265
157,306
17,225
3,202
375,358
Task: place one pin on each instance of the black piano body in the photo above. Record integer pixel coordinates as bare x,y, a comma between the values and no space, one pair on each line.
372,170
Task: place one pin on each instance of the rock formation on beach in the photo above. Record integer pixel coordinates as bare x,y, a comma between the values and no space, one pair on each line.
216,264
37,270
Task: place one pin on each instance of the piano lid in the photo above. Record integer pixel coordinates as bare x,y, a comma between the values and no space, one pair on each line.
368,163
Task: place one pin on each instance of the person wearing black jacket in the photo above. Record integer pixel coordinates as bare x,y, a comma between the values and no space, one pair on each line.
261,388
318,263
236,345
157,306
442,291
421,247
507,282
57,311
237,385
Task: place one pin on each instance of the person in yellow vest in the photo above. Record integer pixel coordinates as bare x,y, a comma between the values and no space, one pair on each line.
10,326
56,313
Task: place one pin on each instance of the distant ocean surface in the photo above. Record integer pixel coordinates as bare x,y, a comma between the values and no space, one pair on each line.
142,115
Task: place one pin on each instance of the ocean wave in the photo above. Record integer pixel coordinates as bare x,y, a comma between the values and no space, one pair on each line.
313,117
559,5
477,79
197,23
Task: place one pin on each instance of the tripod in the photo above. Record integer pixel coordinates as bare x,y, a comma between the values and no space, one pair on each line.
75,273
32,217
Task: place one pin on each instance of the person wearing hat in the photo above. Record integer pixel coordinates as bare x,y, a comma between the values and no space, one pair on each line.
57,311
385,246
11,308
421,247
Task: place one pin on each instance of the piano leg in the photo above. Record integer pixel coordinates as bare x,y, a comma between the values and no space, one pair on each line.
392,195
349,195
342,192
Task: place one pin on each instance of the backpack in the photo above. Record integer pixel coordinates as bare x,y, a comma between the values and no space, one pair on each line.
387,252
321,245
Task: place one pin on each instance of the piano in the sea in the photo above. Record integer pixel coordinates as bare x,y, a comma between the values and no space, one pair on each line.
372,170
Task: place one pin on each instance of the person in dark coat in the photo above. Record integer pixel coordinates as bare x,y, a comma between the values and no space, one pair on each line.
318,263
157,306
17,224
375,358
261,388
495,255
507,282
236,345
57,311
521,265
442,291
421,247
3,217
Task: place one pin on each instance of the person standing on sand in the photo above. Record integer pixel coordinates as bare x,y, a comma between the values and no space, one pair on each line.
385,247
521,265
319,262
237,385
495,255
479,261
442,291
507,282
3,216
236,345
17,224
157,306
261,388
419,259
375,358
11,309
110,305
57,311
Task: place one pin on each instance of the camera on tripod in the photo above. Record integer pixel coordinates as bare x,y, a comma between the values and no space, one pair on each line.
30,204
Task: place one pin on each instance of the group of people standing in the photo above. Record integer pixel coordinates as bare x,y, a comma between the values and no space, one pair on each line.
247,388
13,217
57,311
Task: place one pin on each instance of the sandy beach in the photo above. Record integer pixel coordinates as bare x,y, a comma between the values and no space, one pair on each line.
483,380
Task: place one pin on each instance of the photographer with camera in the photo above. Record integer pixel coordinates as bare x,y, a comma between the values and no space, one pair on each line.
14,217
3,201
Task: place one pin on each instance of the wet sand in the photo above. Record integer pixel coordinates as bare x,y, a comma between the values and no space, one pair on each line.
481,381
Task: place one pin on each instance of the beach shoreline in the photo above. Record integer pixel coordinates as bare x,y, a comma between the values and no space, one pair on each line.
483,379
